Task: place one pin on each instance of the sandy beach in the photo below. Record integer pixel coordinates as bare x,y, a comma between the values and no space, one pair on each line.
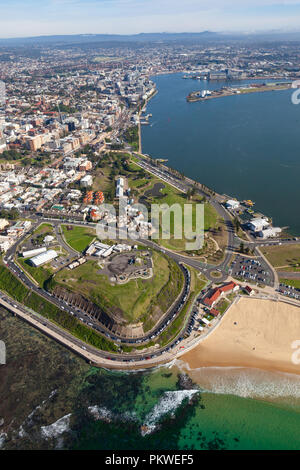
254,333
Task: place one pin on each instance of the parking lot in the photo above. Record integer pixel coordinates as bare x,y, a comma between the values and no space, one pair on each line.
289,291
252,270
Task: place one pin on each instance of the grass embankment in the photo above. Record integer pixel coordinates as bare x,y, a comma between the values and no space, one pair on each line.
78,238
131,135
138,300
197,284
19,292
40,274
282,256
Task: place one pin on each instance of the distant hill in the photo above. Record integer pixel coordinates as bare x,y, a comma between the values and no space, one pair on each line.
84,38
204,36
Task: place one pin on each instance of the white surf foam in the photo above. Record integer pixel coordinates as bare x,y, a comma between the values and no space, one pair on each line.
100,413
56,429
245,382
3,437
103,413
169,402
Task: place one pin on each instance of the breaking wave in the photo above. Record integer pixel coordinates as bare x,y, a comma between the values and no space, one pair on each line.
3,437
169,402
56,429
245,382
104,414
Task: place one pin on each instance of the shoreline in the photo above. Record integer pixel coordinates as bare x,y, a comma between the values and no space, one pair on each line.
253,334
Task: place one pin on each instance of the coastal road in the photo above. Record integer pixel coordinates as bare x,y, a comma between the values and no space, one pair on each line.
90,353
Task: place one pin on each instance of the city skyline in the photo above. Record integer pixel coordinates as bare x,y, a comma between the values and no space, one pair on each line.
31,18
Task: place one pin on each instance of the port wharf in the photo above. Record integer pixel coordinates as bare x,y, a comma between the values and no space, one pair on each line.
204,95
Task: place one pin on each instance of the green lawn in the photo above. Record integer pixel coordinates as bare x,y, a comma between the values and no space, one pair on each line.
222,305
43,229
138,300
40,274
79,238
172,196
283,255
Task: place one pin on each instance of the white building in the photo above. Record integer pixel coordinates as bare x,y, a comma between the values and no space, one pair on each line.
270,232
120,187
3,223
257,225
232,204
86,181
6,243
35,252
43,258
119,191
48,239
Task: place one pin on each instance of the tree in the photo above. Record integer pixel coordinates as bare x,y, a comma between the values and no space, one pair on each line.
193,191
189,194
236,224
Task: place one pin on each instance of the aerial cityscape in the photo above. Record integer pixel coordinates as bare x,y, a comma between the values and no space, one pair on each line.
149,237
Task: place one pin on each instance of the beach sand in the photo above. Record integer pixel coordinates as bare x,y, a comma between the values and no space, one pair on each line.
254,333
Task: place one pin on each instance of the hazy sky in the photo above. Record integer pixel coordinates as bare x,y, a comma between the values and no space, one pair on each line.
38,17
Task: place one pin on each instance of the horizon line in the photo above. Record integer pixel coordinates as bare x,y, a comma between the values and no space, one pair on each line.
236,33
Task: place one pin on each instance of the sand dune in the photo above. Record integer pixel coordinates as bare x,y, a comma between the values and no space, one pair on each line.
254,333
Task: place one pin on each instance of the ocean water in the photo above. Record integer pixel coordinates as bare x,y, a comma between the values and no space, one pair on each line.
244,410
246,146
54,399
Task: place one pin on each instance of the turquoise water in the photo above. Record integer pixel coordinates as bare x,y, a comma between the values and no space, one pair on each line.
246,146
203,420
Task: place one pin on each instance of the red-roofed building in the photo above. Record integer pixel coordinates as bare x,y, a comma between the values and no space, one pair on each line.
229,287
249,290
214,312
211,300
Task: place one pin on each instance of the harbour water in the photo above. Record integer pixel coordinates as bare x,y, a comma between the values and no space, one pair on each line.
246,146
